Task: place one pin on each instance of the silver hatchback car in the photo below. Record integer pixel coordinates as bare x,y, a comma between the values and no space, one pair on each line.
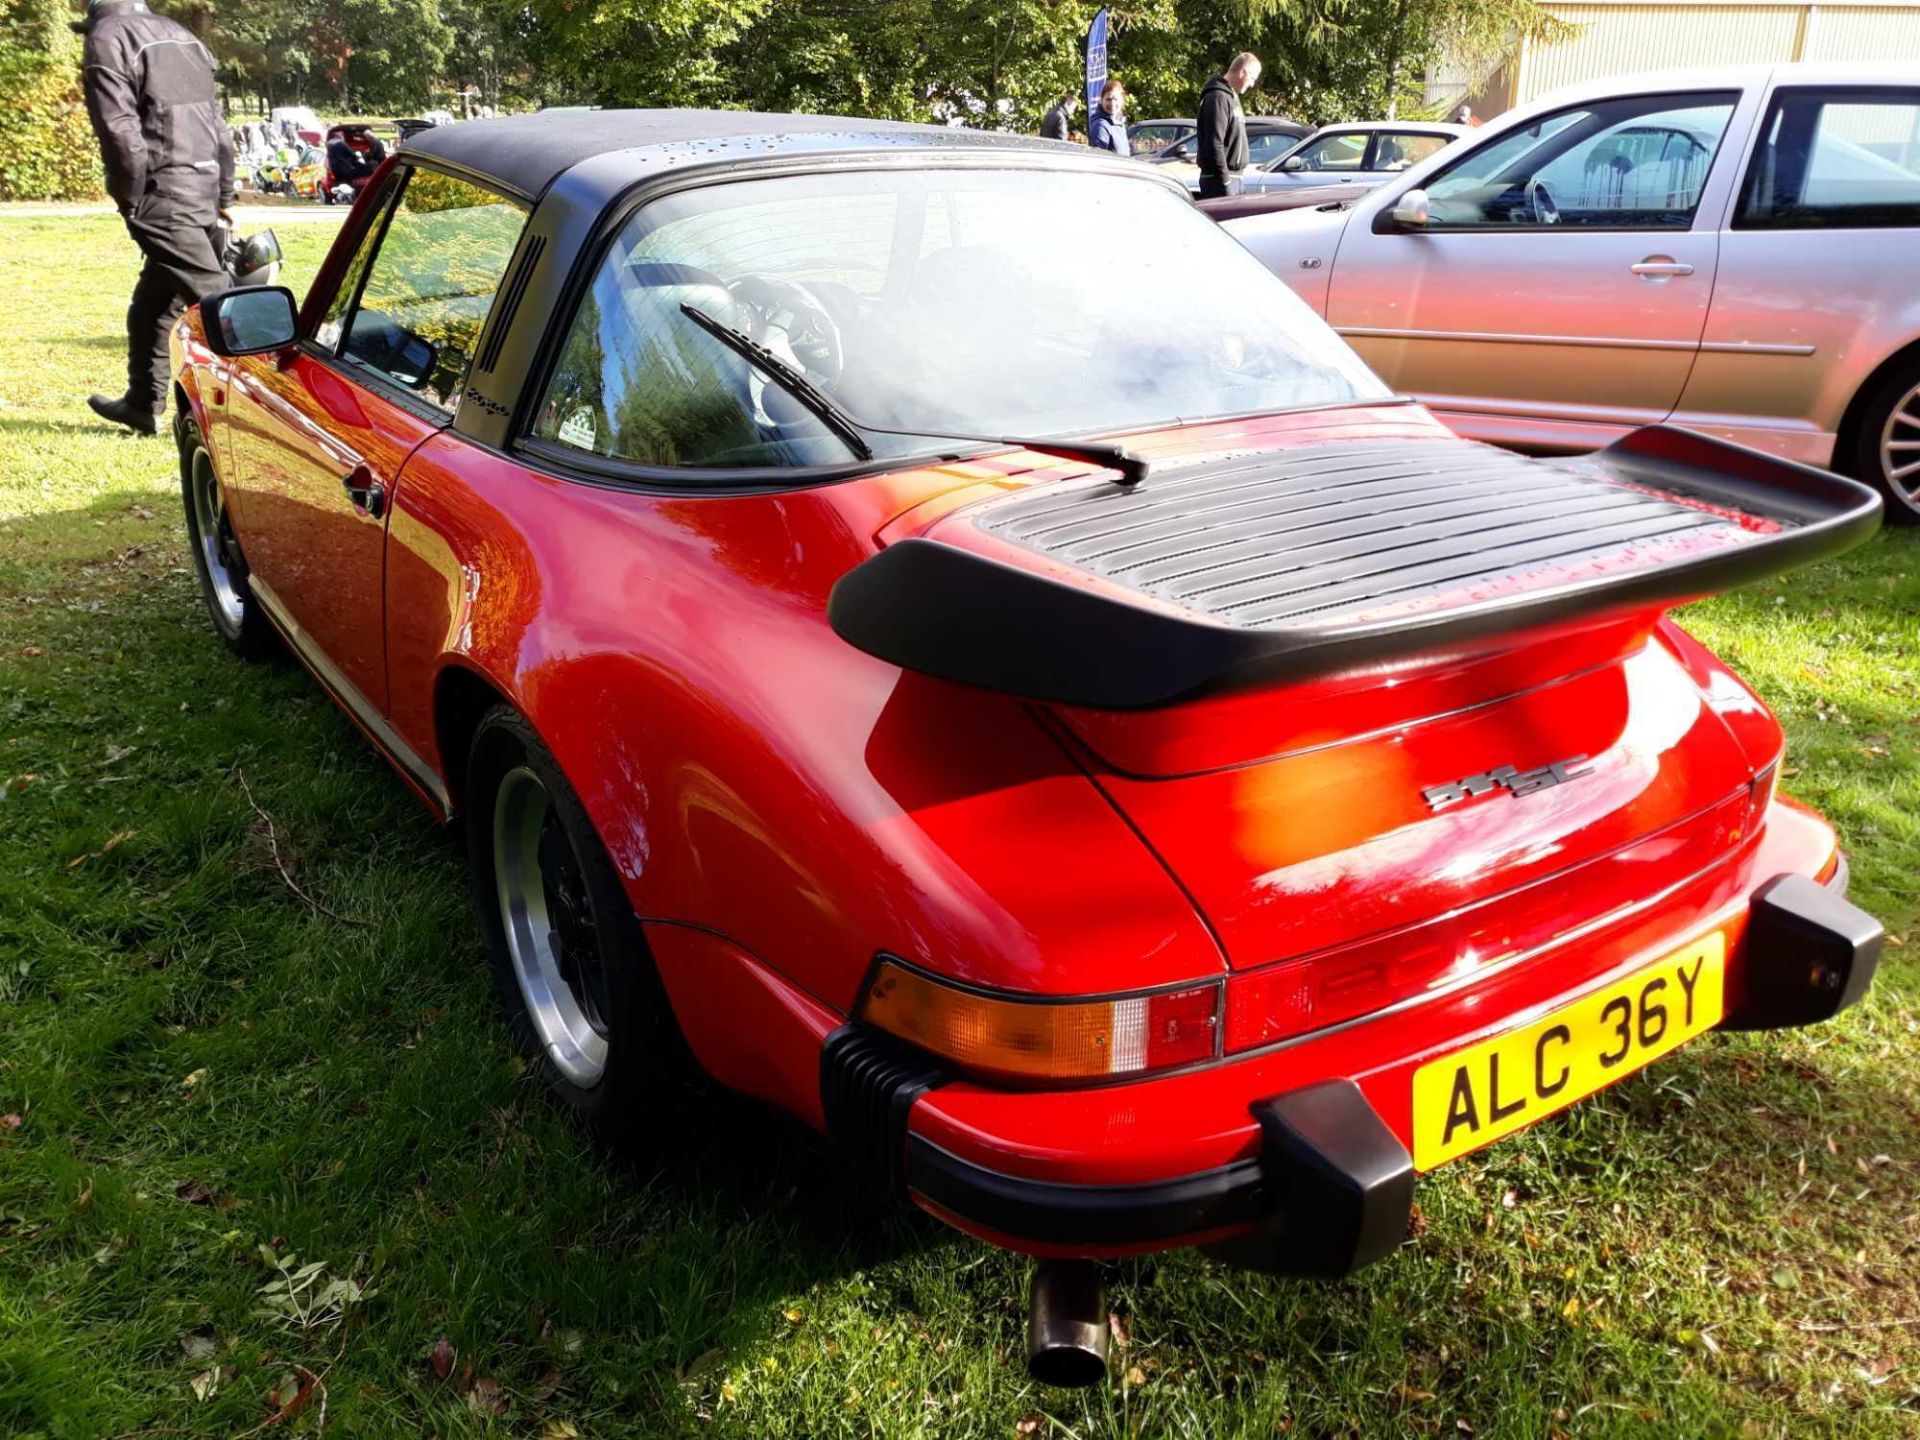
1732,250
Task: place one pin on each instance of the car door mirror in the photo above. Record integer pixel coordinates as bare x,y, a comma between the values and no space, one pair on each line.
1293,162
251,320
1410,211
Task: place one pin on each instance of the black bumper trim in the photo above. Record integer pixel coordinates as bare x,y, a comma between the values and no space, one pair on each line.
1329,1193
1050,1212
1810,953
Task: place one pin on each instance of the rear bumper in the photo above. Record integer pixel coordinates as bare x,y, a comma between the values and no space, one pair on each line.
1297,1160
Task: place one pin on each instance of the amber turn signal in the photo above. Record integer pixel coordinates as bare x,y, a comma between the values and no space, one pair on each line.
1043,1039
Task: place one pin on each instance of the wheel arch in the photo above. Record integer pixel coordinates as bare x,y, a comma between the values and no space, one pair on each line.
462,696
1847,438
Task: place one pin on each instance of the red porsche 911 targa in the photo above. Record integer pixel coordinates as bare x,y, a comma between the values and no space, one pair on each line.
928,619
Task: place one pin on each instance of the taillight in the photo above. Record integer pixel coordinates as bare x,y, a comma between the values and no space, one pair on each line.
1759,797
1035,1039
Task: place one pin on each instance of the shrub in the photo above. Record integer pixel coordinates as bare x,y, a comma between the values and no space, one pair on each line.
47,149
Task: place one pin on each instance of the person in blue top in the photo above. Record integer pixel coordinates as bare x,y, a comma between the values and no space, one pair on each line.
1107,124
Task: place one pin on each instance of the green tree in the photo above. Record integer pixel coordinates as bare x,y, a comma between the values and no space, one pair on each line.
47,149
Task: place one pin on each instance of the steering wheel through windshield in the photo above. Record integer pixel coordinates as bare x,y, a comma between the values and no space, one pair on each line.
1545,212
786,314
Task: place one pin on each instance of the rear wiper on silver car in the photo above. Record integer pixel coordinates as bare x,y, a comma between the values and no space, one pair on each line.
1132,468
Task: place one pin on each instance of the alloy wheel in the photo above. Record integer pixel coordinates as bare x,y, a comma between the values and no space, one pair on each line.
218,552
1900,448
550,934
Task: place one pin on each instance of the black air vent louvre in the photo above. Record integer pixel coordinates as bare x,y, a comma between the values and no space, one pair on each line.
1263,540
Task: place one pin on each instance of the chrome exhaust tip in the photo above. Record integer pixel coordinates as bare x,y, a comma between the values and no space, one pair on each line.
1067,1324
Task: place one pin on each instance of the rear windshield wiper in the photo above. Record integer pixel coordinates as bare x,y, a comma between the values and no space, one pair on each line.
794,382
1132,467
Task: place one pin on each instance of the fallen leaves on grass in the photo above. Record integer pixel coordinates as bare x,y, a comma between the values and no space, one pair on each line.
11,1122
440,1361
486,1397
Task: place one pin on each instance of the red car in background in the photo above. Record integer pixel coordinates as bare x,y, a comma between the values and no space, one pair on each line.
1082,744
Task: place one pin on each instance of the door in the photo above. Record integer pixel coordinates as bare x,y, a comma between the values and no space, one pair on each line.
322,433
1557,292
1819,277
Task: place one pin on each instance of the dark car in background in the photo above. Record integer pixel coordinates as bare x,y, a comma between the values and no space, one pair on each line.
1268,138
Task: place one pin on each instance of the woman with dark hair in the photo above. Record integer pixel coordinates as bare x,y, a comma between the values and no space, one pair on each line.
1107,125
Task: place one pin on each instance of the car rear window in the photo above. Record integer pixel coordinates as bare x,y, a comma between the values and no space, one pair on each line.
924,304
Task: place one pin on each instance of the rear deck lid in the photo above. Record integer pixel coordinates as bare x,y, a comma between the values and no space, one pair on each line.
1247,571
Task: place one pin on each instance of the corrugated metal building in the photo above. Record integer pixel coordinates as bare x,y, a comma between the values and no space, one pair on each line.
1620,37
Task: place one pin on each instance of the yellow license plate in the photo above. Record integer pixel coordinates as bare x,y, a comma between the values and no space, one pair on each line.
1505,1084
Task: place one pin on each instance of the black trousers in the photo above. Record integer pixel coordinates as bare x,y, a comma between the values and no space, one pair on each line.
181,246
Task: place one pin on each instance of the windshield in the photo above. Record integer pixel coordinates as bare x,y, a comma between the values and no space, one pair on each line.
1026,303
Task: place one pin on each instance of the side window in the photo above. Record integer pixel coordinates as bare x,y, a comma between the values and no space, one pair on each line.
1266,146
1835,160
1394,150
1638,163
1335,152
334,324
430,285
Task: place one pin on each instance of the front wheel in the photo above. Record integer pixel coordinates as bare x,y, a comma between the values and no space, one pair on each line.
1887,449
569,959
224,584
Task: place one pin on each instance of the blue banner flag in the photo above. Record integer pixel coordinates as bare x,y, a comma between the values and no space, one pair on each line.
1096,60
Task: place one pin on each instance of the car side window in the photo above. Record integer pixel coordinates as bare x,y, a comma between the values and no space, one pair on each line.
1835,160
1397,150
430,284
1637,163
334,324
1266,146
1334,152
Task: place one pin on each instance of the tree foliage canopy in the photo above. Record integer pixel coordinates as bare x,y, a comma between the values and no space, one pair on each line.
994,63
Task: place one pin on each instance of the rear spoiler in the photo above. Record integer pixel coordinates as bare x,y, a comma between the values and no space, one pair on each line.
1271,568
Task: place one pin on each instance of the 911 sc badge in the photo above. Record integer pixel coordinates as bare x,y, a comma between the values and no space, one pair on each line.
1519,782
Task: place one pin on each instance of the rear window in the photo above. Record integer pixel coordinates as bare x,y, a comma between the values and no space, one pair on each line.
1836,160
922,304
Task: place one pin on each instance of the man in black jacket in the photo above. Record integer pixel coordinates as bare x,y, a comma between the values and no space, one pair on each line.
1223,126
1058,122
169,162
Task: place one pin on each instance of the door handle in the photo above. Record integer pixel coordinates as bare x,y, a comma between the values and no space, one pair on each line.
365,491
1659,267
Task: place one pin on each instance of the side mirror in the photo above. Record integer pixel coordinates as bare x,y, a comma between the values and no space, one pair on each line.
1293,162
1410,211
251,320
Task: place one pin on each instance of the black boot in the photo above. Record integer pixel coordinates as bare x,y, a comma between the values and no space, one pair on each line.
141,419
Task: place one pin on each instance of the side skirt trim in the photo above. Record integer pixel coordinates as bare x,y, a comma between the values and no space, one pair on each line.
360,710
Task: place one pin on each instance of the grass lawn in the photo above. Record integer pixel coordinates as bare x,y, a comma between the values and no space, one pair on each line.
201,1070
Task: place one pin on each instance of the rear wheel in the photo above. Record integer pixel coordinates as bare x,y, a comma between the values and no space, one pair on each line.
569,959
1887,454
217,558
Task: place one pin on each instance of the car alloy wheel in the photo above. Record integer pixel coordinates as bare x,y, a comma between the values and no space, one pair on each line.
217,557
547,919
1900,449
218,552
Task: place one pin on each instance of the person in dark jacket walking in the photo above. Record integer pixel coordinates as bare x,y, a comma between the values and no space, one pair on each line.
1057,124
169,162
1223,127
1107,125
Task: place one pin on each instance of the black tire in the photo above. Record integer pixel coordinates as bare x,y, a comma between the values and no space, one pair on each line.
593,933
1892,413
235,611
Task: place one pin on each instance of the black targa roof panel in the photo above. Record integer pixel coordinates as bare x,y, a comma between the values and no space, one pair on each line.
526,153
1278,566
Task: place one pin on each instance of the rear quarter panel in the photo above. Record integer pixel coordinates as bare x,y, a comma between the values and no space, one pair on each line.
750,773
